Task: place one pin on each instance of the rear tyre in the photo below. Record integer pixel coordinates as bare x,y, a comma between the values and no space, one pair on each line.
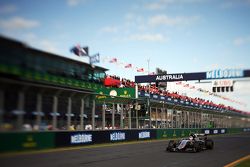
209,144
196,147
170,146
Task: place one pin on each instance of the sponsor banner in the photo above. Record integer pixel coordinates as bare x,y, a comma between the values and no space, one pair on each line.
174,101
144,135
246,130
48,78
170,77
222,83
246,73
94,137
117,136
81,138
155,97
214,74
207,131
175,133
212,131
73,138
227,73
119,92
222,131
11,141
215,131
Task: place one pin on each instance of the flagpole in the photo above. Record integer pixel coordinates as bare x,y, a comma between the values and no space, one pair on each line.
148,99
148,60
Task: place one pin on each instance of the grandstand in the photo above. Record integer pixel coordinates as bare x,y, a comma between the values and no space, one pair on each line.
44,91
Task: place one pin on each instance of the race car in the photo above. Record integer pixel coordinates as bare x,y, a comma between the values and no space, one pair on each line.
195,143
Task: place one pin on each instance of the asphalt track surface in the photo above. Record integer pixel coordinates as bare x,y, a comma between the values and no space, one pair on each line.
227,149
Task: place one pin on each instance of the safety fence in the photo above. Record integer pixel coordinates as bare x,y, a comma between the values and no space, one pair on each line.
24,141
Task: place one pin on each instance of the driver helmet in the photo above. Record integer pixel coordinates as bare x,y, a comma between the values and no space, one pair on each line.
192,136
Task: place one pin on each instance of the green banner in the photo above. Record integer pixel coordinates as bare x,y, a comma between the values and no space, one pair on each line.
119,92
175,133
234,130
19,141
52,79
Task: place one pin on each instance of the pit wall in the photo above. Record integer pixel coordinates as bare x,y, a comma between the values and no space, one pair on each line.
25,141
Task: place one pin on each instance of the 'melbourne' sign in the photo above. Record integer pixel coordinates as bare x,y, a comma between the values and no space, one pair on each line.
80,138
227,73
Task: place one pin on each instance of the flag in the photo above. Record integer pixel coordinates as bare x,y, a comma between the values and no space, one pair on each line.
192,87
85,50
140,69
128,66
80,51
94,59
178,83
114,60
151,73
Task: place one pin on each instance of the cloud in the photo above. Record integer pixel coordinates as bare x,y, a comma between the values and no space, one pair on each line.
134,20
110,29
155,5
227,5
234,4
8,8
162,4
73,3
16,23
43,44
148,37
48,46
241,41
220,65
162,19
195,60
213,66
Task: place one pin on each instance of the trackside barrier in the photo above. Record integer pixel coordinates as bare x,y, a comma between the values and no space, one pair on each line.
23,141
175,133
246,130
236,130
215,131
77,138
20,141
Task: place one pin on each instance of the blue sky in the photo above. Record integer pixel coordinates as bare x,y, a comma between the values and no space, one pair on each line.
176,35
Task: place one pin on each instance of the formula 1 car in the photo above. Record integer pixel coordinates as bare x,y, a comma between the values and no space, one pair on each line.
195,143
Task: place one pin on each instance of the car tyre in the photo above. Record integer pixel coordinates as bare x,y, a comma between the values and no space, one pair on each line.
209,144
196,147
170,146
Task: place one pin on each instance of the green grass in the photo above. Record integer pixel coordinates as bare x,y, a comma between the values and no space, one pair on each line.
245,163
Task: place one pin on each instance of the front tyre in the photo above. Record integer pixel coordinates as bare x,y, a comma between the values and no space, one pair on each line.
170,146
196,147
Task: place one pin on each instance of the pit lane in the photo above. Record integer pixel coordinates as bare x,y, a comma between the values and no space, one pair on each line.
227,149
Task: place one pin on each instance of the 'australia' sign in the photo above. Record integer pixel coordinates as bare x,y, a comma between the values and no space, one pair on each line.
214,74
169,77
